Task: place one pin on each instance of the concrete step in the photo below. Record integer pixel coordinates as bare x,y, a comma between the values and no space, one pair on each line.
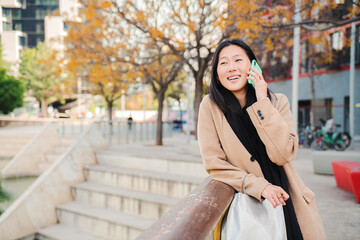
16,140
131,202
11,147
192,168
60,149
101,222
144,181
62,232
43,166
9,151
66,141
52,157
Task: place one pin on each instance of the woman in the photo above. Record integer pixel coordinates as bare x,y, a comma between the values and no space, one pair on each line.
247,131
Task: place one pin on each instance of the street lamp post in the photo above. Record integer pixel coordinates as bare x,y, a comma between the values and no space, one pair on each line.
79,94
295,68
144,101
188,107
352,79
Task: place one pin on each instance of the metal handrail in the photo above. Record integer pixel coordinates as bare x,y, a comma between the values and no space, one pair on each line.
194,217
123,132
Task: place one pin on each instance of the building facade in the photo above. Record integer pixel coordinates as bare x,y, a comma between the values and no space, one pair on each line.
13,39
25,23
331,83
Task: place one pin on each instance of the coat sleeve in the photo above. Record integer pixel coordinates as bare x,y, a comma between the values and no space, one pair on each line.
214,157
275,126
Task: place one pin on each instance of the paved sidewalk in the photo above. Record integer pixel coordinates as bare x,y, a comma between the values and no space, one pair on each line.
338,209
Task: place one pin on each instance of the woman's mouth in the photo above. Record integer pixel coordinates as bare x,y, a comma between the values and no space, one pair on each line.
233,78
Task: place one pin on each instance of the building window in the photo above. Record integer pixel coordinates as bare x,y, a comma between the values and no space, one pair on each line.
39,27
6,12
304,58
40,13
39,39
47,2
16,13
22,41
18,26
337,40
7,26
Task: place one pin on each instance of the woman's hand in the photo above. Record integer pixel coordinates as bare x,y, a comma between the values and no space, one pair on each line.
276,195
259,82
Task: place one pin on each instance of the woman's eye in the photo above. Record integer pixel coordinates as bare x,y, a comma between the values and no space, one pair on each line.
222,63
238,60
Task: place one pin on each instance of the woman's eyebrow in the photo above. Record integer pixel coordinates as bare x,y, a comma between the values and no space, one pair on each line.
237,55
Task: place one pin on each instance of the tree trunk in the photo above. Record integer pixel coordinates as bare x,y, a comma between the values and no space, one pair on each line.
198,97
181,115
159,132
44,108
110,107
312,90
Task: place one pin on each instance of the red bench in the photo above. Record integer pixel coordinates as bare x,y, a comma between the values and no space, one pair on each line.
347,176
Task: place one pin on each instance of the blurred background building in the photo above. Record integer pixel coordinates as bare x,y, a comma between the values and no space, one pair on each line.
25,23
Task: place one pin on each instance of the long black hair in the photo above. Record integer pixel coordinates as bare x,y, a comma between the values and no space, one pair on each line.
224,98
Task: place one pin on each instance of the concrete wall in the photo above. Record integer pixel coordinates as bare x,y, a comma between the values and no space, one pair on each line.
35,208
25,162
10,3
10,45
13,139
69,9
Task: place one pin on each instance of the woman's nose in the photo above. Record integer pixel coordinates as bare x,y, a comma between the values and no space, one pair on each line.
231,67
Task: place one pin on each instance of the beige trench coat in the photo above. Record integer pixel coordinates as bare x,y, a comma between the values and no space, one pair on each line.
227,160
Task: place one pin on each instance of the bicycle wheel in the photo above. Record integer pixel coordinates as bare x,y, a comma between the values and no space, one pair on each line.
340,146
342,143
346,138
317,144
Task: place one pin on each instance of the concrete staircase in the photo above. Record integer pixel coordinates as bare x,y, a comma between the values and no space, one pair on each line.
123,195
13,139
56,152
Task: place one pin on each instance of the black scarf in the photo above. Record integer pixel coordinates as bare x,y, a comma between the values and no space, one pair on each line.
244,129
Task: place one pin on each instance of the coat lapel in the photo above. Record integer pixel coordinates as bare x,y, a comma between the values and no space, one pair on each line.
235,150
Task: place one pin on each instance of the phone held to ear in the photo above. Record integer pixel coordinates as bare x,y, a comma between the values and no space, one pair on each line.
255,65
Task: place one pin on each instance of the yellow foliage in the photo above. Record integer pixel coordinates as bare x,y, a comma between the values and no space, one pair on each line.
315,40
95,51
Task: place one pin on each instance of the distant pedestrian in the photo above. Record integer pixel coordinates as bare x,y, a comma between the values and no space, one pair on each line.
247,131
130,122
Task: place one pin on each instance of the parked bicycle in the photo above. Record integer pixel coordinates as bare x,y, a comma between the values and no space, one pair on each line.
306,135
326,137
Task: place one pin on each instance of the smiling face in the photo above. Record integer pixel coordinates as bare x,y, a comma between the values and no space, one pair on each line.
232,69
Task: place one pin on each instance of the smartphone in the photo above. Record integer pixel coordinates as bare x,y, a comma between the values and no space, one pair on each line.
255,65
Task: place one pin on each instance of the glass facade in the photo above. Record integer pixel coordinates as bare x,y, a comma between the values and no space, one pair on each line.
6,12
6,26
22,41
31,19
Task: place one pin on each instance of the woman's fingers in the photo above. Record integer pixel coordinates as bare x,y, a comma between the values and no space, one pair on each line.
282,200
257,73
276,195
285,195
276,201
